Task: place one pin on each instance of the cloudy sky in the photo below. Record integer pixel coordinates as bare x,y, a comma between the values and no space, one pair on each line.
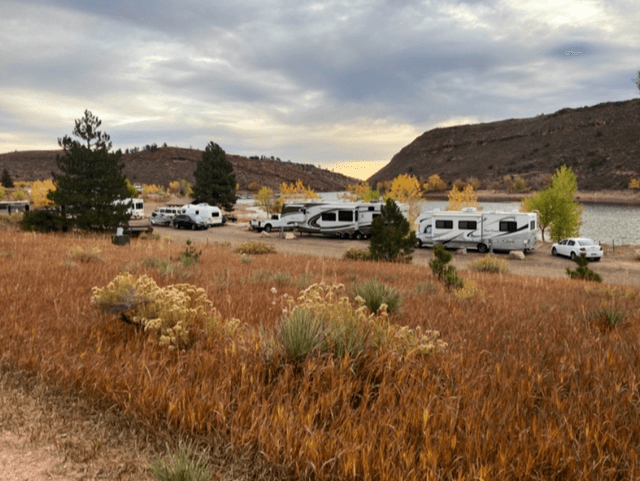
341,84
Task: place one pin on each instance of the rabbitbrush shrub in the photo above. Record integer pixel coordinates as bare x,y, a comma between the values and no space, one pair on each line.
181,466
173,314
323,320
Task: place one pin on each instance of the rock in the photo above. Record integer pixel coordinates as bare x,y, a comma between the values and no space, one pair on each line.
264,234
518,255
289,236
461,252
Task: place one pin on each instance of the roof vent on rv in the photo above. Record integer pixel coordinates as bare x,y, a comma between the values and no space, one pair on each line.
469,209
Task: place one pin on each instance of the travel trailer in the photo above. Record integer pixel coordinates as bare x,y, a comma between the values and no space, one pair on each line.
210,213
341,219
483,231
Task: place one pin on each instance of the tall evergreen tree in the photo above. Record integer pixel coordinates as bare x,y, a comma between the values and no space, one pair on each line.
215,180
91,179
392,239
6,179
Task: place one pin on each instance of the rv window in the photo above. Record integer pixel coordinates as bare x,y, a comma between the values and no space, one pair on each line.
329,216
375,215
215,214
371,208
468,224
286,209
197,212
345,215
444,224
508,226
533,225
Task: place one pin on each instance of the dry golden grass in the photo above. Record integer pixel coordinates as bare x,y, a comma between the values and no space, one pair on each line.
532,385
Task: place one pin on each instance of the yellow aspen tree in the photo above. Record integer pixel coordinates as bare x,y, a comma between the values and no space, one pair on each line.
634,184
460,198
39,191
406,189
361,191
297,191
435,183
266,199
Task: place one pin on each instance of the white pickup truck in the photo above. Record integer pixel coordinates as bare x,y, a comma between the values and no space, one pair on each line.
274,222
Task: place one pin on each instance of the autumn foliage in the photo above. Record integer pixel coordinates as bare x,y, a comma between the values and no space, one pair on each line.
530,384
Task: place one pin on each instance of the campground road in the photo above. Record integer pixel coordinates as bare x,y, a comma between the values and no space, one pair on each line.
618,269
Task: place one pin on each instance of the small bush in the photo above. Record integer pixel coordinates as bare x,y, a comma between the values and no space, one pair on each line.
489,263
355,254
190,255
374,293
468,291
11,221
582,271
441,268
323,320
255,248
172,314
609,317
42,221
181,466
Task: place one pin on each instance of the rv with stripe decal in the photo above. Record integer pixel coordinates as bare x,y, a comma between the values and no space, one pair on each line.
483,231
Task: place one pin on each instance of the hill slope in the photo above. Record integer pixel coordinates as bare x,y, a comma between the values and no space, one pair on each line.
600,143
166,164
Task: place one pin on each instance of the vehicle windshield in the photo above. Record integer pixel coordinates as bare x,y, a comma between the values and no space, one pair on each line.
586,242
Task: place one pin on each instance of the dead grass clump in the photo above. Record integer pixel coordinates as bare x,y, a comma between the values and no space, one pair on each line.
256,248
489,263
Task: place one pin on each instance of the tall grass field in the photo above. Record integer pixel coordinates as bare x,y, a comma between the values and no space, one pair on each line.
520,378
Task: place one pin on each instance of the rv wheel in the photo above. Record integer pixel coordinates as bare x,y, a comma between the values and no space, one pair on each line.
193,227
267,228
358,236
482,248
176,226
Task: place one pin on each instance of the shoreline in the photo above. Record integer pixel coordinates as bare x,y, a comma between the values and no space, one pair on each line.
622,198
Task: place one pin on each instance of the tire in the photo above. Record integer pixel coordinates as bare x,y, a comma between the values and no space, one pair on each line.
482,248
573,256
554,252
176,226
358,235
597,259
193,227
267,228
419,244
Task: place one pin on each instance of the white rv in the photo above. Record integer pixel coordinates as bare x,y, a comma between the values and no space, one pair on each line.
135,207
478,230
342,219
211,214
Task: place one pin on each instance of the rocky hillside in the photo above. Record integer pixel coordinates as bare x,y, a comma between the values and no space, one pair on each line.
166,164
600,143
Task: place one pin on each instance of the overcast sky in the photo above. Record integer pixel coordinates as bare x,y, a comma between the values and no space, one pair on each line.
341,84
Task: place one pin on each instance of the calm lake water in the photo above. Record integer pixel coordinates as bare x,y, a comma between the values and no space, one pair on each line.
603,223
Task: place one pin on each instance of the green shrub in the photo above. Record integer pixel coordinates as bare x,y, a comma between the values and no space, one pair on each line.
78,254
324,321
181,466
610,317
374,293
489,263
355,254
582,271
299,334
190,255
441,268
256,248
43,221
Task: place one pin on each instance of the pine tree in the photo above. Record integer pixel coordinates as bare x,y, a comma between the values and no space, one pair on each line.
91,179
6,181
215,180
392,239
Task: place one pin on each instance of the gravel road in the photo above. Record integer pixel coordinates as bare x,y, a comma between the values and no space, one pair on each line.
619,268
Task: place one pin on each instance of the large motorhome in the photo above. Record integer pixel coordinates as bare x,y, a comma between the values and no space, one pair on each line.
483,231
135,207
341,219
210,213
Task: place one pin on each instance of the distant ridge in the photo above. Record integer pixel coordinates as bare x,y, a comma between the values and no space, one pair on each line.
166,164
600,143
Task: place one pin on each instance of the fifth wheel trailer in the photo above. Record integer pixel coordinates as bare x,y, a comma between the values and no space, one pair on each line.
471,229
